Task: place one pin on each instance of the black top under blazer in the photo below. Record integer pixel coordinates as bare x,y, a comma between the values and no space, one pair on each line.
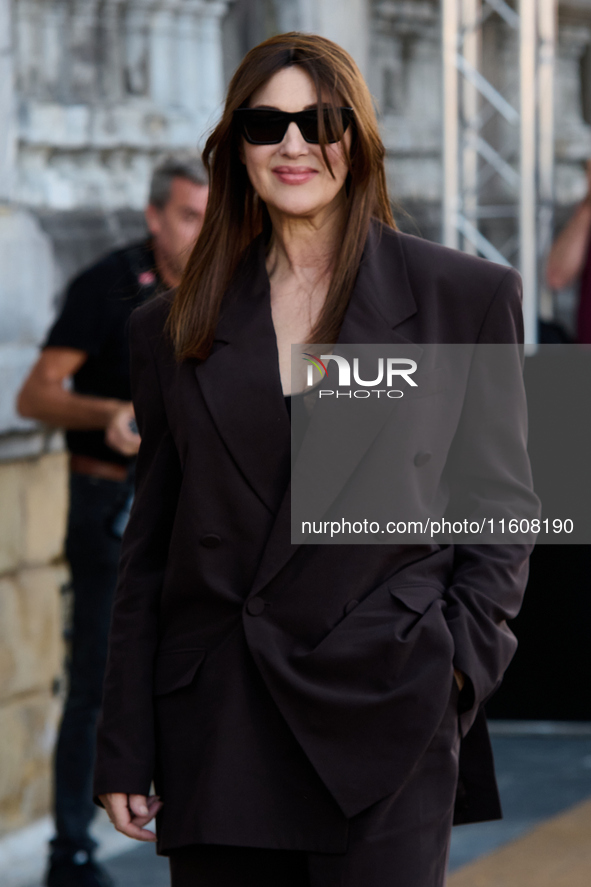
242,678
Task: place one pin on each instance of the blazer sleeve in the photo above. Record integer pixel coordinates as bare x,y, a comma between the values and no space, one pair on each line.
125,738
488,581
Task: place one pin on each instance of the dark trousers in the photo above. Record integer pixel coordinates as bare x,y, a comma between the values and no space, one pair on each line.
402,841
93,554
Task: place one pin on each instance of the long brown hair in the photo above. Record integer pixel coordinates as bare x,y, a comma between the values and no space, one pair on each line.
235,215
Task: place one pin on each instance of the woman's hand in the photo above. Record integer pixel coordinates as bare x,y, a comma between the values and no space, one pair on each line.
130,813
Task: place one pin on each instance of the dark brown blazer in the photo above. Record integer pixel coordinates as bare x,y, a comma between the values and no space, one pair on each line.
272,690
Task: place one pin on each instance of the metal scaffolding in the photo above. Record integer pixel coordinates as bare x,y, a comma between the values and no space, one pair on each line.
498,137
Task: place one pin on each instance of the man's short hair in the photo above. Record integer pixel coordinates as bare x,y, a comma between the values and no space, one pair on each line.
182,165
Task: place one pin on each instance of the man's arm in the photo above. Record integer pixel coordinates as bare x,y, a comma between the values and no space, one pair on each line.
44,397
569,250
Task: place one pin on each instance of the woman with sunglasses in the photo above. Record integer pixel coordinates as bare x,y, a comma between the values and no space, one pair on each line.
273,765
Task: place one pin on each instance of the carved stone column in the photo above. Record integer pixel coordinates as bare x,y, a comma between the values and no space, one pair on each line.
26,282
7,103
346,23
104,88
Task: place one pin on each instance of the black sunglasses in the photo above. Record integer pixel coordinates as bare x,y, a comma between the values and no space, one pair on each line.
262,126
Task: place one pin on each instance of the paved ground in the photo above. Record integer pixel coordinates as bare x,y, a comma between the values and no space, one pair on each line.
539,778
556,853
139,868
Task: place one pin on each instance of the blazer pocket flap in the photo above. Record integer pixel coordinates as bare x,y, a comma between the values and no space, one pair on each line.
417,598
175,669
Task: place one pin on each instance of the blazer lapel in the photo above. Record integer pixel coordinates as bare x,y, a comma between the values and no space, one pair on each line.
381,300
241,384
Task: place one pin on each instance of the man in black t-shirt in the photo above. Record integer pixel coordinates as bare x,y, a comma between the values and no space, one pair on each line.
88,344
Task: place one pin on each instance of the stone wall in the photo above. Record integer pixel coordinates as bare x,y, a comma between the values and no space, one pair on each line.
404,77
92,94
104,86
32,524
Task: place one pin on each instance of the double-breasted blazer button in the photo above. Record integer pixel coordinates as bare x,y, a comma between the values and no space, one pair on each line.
255,606
421,459
210,540
350,605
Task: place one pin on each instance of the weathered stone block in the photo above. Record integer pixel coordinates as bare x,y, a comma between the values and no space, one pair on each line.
45,503
34,499
27,735
10,516
31,649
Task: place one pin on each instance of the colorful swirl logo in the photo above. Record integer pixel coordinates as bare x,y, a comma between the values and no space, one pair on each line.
316,362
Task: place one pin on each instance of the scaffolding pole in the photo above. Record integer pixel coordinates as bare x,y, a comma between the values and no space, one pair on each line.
472,161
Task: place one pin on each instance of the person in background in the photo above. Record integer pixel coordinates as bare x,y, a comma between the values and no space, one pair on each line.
570,259
88,344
